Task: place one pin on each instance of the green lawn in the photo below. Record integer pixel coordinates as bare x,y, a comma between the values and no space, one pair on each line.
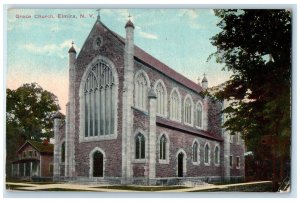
142,188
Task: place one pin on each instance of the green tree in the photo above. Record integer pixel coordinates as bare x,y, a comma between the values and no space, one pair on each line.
255,45
28,116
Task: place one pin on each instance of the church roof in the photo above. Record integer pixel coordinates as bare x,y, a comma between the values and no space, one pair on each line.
187,129
143,56
154,63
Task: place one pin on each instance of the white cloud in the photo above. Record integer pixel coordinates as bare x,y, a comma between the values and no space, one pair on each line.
190,13
145,35
148,35
50,49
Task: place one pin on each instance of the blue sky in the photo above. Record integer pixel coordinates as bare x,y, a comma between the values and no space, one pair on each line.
37,47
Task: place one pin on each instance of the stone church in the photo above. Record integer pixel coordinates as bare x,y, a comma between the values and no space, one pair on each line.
131,119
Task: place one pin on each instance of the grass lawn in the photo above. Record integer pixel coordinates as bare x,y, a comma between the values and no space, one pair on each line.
142,188
264,187
15,187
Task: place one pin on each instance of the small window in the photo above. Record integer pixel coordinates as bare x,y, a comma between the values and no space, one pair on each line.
30,153
230,161
35,153
217,155
237,162
206,154
140,146
162,148
195,152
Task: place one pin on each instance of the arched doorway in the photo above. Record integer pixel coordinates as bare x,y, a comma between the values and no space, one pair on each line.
180,164
97,164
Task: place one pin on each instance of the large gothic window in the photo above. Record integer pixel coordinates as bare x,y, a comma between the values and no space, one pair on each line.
175,106
161,97
162,147
199,115
141,91
140,146
99,101
188,111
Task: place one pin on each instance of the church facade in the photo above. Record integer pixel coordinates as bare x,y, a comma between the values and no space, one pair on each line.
133,120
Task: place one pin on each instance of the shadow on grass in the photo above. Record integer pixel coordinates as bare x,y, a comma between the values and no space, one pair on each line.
15,187
141,188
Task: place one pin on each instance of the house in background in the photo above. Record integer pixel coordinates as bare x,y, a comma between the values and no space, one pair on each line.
34,159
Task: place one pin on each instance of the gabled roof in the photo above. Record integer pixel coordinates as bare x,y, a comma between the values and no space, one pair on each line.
39,146
146,58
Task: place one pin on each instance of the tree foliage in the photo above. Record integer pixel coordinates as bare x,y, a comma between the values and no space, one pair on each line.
28,116
29,108
255,45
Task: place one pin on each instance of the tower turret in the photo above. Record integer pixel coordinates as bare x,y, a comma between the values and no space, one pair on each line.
127,118
70,119
204,82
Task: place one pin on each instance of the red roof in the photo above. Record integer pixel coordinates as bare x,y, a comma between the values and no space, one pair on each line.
155,63
161,67
187,129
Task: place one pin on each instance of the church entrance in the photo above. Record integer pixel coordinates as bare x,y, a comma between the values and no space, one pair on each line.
180,164
98,164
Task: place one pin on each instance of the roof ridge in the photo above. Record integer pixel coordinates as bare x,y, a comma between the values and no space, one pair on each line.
193,85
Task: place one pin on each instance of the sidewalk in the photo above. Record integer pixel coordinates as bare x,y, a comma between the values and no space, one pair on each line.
91,187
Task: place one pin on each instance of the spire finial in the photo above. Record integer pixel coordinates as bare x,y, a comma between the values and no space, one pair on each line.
72,43
98,10
204,75
129,16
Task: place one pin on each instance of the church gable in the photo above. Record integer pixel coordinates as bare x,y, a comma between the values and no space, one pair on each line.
101,41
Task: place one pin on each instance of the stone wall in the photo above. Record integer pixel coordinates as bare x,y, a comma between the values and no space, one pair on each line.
111,48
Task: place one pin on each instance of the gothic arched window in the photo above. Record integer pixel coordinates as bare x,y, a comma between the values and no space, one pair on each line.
162,147
195,152
188,110
141,91
199,115
99,101
206,154
161,99
175,103
217,155
140,146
